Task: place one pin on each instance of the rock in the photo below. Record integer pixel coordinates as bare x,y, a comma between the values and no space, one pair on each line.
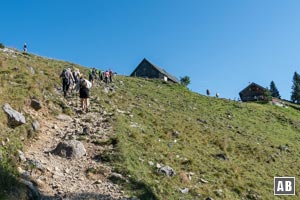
37,164
105,90
150,163
184,191
203,180
70,149
36,104
158,165
176,134
284,148
22,157
36,125
184,177
86,130
209,198
201,121
20,170
219,192
64,117
221,156
31,69
32,193
167,171
253,195
115,177
15,118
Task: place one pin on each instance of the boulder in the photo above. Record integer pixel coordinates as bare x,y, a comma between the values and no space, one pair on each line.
36,104
222,156
15,118
21,156
184,191
70,149
64,117
36,126
167,171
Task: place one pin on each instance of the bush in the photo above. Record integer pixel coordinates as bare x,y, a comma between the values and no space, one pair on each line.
2,46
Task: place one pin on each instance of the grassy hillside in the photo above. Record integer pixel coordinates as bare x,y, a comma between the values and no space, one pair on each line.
230,150
167,124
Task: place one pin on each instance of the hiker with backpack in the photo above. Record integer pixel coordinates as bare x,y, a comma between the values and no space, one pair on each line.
106,76
84,93
67,79
76,75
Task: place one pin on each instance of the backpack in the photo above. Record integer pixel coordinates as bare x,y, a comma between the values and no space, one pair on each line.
85,84
64,74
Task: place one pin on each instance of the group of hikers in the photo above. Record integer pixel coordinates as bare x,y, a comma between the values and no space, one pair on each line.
72,80
105,76
208,93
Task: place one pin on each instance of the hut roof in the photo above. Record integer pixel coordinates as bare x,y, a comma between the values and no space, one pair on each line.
252,85
162,71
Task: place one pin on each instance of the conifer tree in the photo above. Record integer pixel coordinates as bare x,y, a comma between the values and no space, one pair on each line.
295,97
274,91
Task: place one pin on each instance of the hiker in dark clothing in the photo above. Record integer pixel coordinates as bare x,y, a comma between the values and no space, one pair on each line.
207,92
91,77
25,47
67,79
100,74
110,75
84,93
94,73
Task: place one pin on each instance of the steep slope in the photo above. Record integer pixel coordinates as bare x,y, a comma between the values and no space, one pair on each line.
218,148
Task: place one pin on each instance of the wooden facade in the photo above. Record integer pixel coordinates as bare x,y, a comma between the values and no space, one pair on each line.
254,92
148,70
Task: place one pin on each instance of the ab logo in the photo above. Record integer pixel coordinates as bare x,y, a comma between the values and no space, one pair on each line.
284,185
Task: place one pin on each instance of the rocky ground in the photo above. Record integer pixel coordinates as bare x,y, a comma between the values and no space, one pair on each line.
71,172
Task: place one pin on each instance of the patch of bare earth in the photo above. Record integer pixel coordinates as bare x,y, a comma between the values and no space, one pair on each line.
59,177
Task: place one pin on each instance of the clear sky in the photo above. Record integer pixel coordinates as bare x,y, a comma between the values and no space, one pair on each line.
221,45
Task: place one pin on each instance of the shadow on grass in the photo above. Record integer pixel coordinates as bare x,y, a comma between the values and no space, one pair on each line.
10,187
141,190
82,196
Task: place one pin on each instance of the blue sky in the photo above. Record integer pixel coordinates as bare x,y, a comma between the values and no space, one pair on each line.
221,45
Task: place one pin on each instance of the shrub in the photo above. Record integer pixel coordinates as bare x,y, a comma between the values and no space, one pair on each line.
2,46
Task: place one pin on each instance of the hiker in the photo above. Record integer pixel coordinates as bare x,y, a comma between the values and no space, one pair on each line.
207,92
110,75
100,74
84,93
67,79
106,76
91,78
25,47
217,95
76,75
94,73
